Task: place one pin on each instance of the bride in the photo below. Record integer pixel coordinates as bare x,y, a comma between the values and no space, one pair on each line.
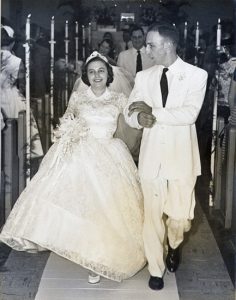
85,202
123,82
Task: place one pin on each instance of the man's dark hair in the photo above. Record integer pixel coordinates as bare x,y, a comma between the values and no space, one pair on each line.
110,76
136,28
166,30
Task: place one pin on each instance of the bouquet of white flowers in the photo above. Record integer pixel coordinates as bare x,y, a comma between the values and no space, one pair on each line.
68,134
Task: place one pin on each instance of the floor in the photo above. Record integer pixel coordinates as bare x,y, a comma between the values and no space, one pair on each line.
202,275
64,280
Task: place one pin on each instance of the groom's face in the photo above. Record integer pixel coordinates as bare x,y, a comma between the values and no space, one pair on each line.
156,47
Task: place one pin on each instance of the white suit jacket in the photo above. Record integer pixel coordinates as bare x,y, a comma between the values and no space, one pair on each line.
127,59
170,147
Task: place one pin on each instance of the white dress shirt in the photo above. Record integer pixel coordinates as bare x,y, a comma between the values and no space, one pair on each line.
127,59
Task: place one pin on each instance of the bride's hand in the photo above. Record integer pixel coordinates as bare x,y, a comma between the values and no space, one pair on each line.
146,120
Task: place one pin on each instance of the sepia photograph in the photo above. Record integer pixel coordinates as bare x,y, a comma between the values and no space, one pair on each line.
118,150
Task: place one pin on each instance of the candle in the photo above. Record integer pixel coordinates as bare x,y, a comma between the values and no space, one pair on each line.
76,28
76,44
218,35
52,29
185,31
66,30
197,36
27,27
83,40
89,33
83,33
27,96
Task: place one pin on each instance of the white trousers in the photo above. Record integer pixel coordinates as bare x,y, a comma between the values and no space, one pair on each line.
174,198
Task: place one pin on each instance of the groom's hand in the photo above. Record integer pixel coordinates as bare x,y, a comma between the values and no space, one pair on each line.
138,107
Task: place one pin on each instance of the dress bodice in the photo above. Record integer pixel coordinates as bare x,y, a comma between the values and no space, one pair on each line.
99,113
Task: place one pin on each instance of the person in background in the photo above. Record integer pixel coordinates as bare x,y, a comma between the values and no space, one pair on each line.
108,35
12,76
126,43
106,48
85,203
232,91
39,61
12,81
165,102
39,73
135,59
65,11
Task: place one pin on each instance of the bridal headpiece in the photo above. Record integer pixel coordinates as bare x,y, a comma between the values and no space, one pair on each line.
9,30
96,54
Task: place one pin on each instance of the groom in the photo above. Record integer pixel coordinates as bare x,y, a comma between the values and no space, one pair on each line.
166,101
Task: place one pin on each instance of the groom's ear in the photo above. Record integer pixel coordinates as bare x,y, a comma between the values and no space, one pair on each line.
168,45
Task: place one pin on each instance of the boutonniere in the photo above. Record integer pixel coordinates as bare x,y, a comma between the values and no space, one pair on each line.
181,76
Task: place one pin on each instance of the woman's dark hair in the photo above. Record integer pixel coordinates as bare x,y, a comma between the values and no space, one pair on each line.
111,45
6,40
110,76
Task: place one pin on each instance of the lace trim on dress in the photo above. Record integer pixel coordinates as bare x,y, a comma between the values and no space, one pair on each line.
75,257
77,99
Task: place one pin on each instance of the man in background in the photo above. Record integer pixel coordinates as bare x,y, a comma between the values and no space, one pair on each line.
135,59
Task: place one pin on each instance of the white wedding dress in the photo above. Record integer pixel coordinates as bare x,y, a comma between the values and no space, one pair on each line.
122,82
85,202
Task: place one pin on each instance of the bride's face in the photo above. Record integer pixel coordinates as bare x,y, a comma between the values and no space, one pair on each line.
97,74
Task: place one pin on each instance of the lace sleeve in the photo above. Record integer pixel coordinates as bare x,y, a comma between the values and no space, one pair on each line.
70,114
72,108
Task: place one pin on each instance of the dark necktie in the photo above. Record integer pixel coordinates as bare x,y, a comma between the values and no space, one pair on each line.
164,86
139,62
126,46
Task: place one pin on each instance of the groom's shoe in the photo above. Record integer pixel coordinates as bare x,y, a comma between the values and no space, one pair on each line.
156,283
172,259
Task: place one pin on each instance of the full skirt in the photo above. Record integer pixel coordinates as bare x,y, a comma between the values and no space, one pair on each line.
84,204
